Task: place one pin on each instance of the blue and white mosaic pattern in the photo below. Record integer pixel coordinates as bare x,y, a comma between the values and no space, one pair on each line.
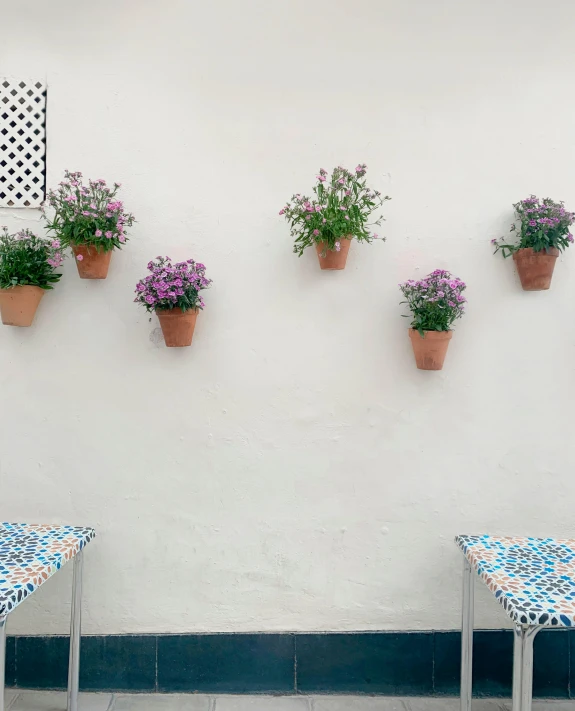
30,554
533,578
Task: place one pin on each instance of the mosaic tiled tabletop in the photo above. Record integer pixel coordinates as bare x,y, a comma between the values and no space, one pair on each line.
533,578
30,554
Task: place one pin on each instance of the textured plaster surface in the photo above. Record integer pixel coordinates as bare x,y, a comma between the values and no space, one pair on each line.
292,470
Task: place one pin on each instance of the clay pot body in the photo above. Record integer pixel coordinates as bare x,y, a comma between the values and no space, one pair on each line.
535,269
430,350
19,303
94,264
177,326
333,259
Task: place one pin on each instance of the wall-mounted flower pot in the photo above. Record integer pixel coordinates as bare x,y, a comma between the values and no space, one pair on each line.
91,263
535,269
177,326
19,303
430,350
331,258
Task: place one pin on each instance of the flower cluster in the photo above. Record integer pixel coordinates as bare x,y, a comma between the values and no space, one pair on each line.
542,224
435,301
88,214
172,285
341,208
28,260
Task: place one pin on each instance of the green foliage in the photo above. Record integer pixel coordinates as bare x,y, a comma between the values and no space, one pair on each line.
28,260
543,225
435,301
87,214
340,209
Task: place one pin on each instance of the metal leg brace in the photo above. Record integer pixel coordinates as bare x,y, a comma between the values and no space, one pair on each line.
75,626
467,637
523,666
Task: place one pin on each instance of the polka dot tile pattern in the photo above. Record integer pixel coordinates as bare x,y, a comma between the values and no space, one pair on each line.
533,578
30,554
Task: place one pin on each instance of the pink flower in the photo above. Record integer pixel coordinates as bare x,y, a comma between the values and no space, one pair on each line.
341,181
321,178
56,243
341,207
348,192
122,238
308,217
316,232
282,212
337,246
324,221
79,257
359,168
108,234
98,233
347,217
375,235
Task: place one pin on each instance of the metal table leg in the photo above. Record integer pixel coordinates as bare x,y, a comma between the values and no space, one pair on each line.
523,667
517,666
2,660
467,637
75,625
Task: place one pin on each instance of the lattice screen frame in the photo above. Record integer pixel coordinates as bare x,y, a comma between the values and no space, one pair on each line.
22,142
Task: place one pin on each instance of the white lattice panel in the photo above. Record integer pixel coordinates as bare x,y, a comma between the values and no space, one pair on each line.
22,142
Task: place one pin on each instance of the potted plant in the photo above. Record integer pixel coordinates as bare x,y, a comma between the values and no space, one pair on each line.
27,265
90,221
173,292
543,233
435,303
338,213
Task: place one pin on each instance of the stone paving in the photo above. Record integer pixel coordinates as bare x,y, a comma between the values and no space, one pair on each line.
56,701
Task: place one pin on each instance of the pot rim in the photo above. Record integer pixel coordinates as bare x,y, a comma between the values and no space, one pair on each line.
549,252
431,335
178,311
24,286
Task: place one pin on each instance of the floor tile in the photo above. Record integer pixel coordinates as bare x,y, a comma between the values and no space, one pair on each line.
545,705
453,704
9,698
162,702
357,703
261,703
56,701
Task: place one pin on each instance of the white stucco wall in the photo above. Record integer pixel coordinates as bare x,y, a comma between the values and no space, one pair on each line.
293,470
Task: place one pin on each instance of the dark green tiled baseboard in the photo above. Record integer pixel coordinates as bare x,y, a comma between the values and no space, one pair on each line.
392,663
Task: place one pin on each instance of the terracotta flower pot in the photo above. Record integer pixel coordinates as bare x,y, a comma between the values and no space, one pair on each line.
535,269
93,264
19,303
177,326
430,350
333,259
